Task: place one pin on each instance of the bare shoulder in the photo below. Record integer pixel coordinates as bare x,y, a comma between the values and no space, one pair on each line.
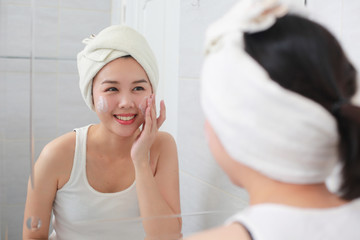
60,147
233,231
164,138
164,157
164,145
57,156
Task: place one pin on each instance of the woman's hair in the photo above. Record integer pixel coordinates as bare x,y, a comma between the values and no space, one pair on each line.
304,57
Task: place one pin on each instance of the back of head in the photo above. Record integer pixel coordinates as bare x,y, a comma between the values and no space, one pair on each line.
277,89
304,57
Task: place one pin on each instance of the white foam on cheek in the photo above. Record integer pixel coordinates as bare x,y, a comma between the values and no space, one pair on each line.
102,105
142,105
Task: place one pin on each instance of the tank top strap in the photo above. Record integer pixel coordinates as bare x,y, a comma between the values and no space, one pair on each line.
79,160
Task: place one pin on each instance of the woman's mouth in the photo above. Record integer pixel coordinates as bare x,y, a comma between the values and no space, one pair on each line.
125,119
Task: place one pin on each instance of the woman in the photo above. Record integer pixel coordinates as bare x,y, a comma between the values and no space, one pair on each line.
98,179
277,94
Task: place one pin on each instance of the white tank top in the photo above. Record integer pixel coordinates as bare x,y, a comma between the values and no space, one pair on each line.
279,222
81,212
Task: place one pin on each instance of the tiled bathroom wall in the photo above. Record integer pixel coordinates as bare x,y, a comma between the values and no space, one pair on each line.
55,38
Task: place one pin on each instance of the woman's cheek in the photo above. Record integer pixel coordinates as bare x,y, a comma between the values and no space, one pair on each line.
102,104
142,104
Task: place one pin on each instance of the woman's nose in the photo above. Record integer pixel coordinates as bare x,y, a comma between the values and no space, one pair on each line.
126,101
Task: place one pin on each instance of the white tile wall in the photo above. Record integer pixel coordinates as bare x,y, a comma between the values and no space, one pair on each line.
13,226
2,106
67,66
45,95
89,4
195,16
14,65
46,31
46,3
77,24
17,105
41,66
2,141
17,30
16,165
59,28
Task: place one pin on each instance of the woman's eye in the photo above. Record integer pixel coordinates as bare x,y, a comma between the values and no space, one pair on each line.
138,88
112,89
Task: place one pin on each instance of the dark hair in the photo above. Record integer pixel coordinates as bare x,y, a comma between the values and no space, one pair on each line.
304,57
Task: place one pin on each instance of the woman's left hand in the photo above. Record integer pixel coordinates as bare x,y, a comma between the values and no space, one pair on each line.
140,151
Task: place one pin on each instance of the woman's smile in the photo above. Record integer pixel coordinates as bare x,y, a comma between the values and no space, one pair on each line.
125,119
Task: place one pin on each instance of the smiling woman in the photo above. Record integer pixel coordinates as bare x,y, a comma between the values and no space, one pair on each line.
111,170
122,84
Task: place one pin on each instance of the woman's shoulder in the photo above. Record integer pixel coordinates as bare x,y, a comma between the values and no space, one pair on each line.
164,142
164,147
232,231
62,145
164,138
58,153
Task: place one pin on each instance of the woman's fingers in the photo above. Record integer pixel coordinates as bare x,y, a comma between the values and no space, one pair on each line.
151,122
160,120
148,118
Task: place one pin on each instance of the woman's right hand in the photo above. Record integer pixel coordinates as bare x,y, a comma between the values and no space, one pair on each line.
141,148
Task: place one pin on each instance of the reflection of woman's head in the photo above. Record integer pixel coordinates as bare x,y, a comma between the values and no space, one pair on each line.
275,90
111,43
120,89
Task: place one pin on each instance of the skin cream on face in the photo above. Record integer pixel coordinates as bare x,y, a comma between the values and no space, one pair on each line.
102,105
142,105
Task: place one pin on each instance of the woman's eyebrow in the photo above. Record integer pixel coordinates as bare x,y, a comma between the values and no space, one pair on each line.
109,82
140,81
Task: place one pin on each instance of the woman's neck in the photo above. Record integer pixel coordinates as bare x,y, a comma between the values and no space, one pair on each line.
107,142
297,195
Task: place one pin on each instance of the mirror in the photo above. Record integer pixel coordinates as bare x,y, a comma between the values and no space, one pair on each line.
39,41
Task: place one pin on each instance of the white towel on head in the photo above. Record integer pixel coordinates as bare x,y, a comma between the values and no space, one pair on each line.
111,43
277,132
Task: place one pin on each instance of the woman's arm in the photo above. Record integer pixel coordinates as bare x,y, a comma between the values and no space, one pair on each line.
158,192
48,172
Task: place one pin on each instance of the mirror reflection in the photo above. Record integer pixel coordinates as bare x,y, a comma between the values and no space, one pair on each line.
122,166
40,41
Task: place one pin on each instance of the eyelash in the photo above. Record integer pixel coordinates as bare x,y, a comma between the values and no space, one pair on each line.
138,88
112,89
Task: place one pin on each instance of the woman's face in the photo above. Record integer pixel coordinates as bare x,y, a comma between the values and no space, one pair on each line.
120,90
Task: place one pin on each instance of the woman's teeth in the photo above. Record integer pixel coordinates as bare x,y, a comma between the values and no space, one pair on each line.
123,118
